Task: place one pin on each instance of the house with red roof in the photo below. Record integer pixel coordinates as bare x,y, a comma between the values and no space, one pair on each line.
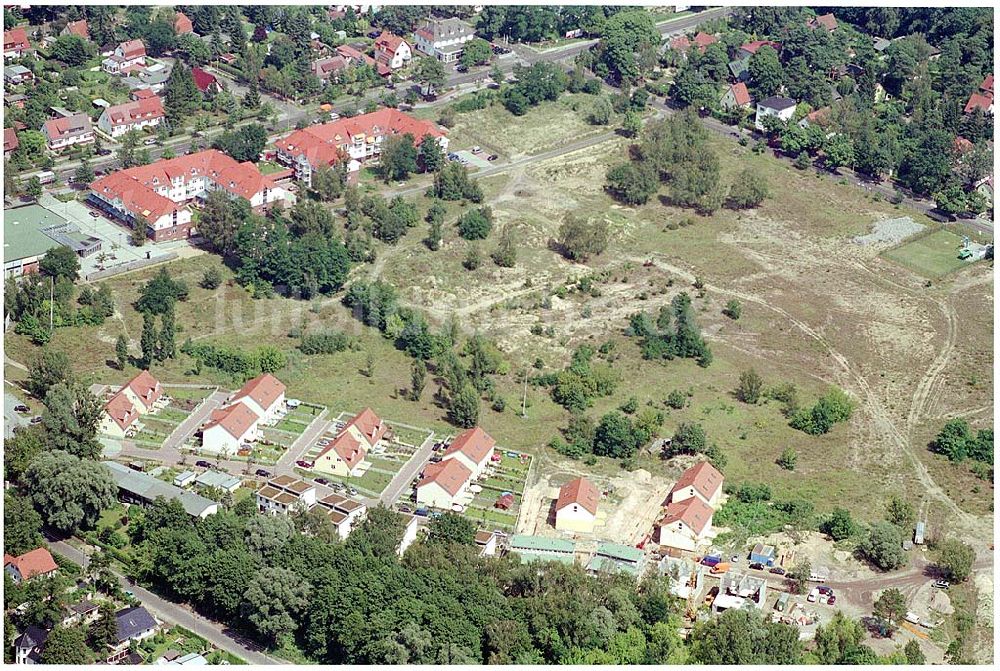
737,96
982,99
344,455
10,142
78,28
182,24
330,69
355,58
702,481
355,140
685,525
392,51
750,48
143,391
15,43
701,40
474,448
64,132
443,484
229,428
162,192
29,565
119,416
135,115
205,81
827,21
129,56
576,507
142,94
264,394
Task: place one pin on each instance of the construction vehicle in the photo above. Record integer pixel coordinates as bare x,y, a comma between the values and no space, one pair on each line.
720,568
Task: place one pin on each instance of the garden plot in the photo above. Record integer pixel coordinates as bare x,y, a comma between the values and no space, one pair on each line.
285,432
505,476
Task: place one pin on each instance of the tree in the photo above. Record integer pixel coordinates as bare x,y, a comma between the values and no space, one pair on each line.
181,96
476,224
766,75
749,189
251,100
835,639
84,174
883,546
212,279
600,112
631,124
890,607
33,190
69,492
21,525
900,512
788,458
244,143
138,234
839,151
953,440
689,438
418,378
476,51
751,387
616,436
399,158
631,183
66,645
914,655
580,237
148,341
951,199
49,368
955,559
798,576
72,50
430,73
452,528
505,255
70,418
839,526
274,601
431,156
733,309
166,347
159,294
104,631
328,183
463,407
741,636
60,262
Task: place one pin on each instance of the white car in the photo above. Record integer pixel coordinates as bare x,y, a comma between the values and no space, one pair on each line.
150,141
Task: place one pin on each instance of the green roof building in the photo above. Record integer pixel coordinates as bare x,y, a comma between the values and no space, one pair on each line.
24,242
617,557
538,548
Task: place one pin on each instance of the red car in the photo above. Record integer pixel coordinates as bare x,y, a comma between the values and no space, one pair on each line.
832,600
823,589
303,464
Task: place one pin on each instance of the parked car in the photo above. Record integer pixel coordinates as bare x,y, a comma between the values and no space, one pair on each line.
734,558
322,481
352,491
436,514
36,419
303,464
476,149
150,141
777,570
813,595
942,584
405,509
422,512
435,460
263,473
757,566
20,407
103,152
832,600
201,463
461,68
94,214
492,157
823,589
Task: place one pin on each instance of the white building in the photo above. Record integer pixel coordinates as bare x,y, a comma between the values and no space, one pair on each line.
283,494
443,38
576,507
127,56
265,395
701,480
685,525
229,428
134,115
443,484
343,513
474,448
776,106
392,51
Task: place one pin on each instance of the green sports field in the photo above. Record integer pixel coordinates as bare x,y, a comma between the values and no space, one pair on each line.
932,255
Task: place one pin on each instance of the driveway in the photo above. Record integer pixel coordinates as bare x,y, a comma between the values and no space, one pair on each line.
218,634
409,471
189,426
12,419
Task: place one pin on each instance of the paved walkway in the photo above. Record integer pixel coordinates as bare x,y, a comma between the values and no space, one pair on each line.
218,634
189,426
409,470
316,428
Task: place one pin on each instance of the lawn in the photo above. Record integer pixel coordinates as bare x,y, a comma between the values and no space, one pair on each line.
269,167
931,255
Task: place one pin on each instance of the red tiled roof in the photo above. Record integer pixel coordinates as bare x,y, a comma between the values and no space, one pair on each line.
236,419
320,144
705,479
182,24
137,110
388,42
142,94
754,47
15,38
121,410
681,43
978,101
202,79
369,424
581,492
450,474
137,198
740,93
56,128
987,84
30,564
962,145
263,389
146,387
132,49
10,141
474,443
78,28
818,116
704,39
348,448
693,512
828,21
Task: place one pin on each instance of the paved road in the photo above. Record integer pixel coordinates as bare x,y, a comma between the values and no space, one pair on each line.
12,419
401,481
219,635
189,426
316,428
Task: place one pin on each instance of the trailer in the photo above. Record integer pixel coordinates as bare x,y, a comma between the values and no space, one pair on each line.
918,534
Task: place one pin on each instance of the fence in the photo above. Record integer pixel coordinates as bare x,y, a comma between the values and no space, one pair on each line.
129,266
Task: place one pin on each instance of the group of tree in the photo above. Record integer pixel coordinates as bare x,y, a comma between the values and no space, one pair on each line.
673,334
957,442
244,143
241,364
582,382
534,85
452,182
833,407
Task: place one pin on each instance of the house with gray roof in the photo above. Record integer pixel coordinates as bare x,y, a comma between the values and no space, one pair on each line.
143,489
132,624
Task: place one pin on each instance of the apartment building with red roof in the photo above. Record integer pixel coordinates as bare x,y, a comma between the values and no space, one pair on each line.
134,115
128,56
160,192
143,390
29,565
576,507
78,28
229,428
701,480
119,415
685,525
474,448
392,51
355,140
264,394
443,484
15,43
64,132
346,452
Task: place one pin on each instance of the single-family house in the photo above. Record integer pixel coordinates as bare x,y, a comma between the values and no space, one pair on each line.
576,507
182,24
141,94
229,428
740,69
762,554
443,483
10,142
775,106
17,74
119,416
329,69
142,489
37,562
343,513
982,99
17,100
131,624
539,548
474,448
218,480
392,51
78,28
486,541
615,557
264,394
827,21
750,48
347,451
740,590
736,96
818,117
355,58
29,645
443,38
686,576
283,494
206,82
117,120
700,41
144,391
880,44
84,613
65,132
701,480
15,43
685,524
127,57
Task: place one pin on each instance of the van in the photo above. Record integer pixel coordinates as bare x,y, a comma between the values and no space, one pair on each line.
46,177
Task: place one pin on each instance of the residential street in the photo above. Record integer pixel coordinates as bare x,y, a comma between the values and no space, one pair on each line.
217,634
189,426
401,481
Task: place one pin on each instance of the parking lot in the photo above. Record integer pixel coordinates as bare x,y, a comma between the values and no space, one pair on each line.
469,158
